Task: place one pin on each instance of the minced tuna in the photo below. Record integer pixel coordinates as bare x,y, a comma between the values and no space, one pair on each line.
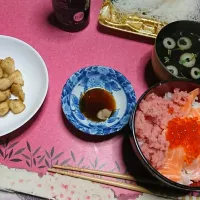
151,121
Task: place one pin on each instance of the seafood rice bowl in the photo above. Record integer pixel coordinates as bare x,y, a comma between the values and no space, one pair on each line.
166,127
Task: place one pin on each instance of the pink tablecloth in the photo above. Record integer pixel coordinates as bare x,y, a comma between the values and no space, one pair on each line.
48,139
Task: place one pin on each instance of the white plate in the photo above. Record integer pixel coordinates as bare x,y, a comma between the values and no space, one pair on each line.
35,76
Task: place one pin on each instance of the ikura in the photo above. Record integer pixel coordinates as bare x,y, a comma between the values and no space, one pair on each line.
185,132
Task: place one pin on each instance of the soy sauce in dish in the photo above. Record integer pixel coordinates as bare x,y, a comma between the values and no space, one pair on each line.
95,101
180,54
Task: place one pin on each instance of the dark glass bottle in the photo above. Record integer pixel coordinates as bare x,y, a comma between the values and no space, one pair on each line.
72,15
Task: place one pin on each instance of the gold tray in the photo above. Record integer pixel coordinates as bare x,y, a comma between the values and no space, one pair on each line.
110,18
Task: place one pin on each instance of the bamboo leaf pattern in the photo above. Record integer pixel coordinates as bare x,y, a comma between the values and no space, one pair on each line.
47,154
117,165
52,152
19,151
28,163
28,146
34,161
92,165
102,166
65,161
1,153
47,163
10,154
73,157
46,158
80,162
41,159
58,155
40,167
112,170
16,160
36,151
13,145
25,156
96,162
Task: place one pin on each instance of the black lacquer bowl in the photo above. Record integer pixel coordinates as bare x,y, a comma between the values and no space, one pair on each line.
160,89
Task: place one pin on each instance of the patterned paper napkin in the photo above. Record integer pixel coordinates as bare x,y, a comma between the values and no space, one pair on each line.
58,187
52,186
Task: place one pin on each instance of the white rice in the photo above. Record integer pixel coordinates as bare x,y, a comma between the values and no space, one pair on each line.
195,104
168,96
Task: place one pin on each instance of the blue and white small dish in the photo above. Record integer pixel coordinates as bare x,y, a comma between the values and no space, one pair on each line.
98,77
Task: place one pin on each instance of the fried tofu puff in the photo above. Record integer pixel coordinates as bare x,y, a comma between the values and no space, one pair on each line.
4,108
16,90
4,95
7,65
16,77
16,106
5,83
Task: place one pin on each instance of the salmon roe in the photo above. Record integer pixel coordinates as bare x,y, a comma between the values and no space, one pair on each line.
185,132
171,110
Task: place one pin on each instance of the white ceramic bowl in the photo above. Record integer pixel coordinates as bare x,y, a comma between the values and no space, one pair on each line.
36,80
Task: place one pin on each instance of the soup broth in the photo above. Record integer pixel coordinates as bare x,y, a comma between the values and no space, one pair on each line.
179,52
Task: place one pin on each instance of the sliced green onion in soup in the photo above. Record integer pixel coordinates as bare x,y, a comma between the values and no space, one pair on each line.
184,43
195,73
172,69
188,60
166,59
169,43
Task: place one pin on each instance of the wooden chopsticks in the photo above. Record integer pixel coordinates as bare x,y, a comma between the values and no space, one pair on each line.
61,170
90,171
102,173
